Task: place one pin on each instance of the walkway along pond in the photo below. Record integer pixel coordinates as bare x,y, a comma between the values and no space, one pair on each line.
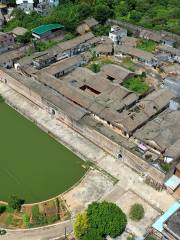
33,165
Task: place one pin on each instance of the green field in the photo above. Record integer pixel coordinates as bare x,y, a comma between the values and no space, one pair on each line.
33,166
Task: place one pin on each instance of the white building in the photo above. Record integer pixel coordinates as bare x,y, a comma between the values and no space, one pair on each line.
117,33
53,3
25,5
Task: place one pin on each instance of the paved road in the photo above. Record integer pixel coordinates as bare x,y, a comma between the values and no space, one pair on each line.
53,232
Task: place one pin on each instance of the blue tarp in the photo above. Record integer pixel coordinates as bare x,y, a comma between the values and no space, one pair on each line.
158,225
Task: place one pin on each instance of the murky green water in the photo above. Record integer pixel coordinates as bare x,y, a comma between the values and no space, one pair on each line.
33,166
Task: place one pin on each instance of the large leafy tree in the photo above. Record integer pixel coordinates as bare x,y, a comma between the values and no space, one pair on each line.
103,219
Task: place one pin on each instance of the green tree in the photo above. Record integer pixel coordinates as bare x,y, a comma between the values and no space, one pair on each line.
99,221
26,38
136,212
15,203
2,208
102,13
106,218
81,225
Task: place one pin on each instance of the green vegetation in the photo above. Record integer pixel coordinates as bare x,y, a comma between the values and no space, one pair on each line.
130,238
101,30
2,208
154,14
26,220
98,62
38,218
15,203
24,38
136,212
165,166
147,45
150,237
54,168
99,221
128,63
95,67
9,220
44,45
136,84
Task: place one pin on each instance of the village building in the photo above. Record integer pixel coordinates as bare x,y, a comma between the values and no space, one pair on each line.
19,31
117,33
44,7
95,106
171,69
8,59
168,42
163,134
47,31
115,73
174,52
25,5
77,45
145,57
129,41
6,41
87,25
150,35
167,225
172,83
104,49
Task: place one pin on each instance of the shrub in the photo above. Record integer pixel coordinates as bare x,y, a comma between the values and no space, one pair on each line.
15,203
150,237
9,220
81,225
26,219
2,208
136,212
95,67
53,219
38,217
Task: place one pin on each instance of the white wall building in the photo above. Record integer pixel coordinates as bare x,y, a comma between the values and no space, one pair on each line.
117,33
25,5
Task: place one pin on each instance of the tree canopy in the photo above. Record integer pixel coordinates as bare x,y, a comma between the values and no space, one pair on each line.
154,14
99,221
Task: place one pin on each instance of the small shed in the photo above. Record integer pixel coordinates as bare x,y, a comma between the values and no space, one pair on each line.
46,30
19,31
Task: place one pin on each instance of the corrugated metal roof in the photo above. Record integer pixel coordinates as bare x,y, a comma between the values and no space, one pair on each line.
46,28
173,182
158,225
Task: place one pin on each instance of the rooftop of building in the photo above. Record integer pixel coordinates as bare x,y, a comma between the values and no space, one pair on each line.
19,31
173,223
151,35
135,52
75,41
46,28
172,50
91,22
164,131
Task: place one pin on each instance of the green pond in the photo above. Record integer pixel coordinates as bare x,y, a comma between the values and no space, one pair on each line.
33,166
